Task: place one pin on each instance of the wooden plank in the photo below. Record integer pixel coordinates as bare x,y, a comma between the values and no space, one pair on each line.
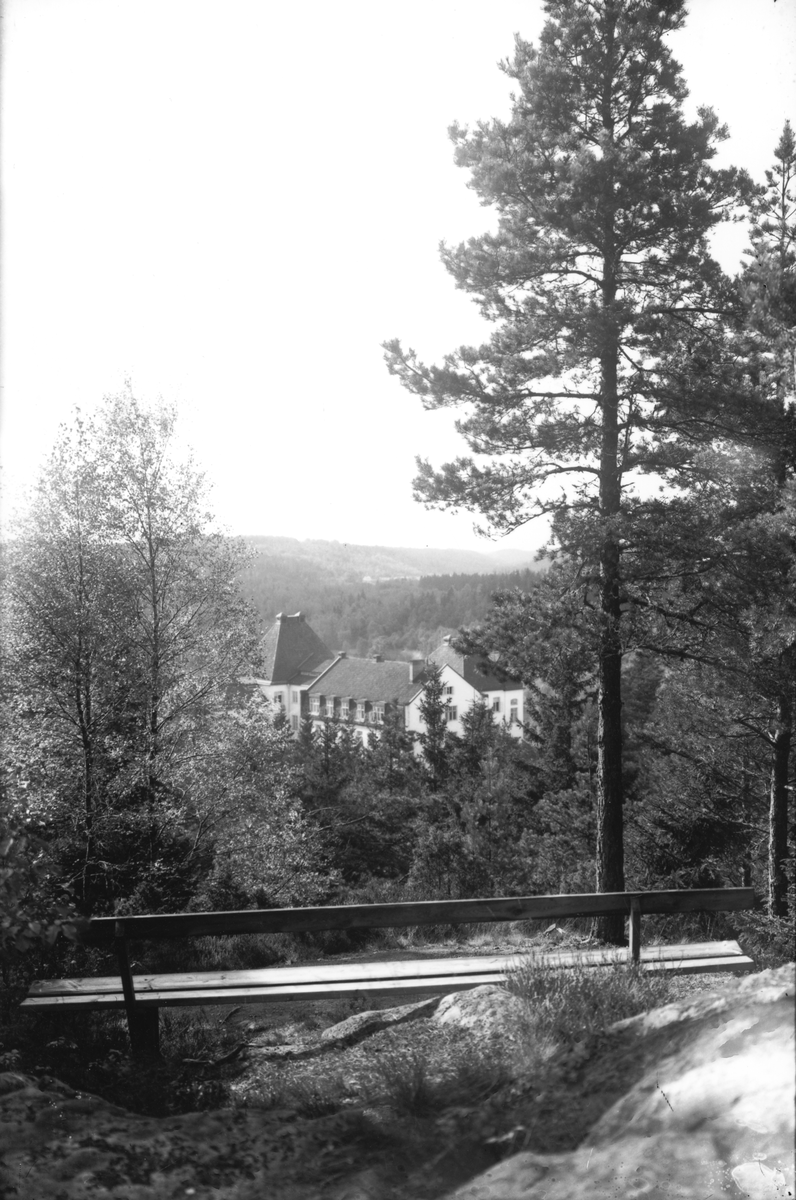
433,985
394,969
335,991
278,981
739,964
426,912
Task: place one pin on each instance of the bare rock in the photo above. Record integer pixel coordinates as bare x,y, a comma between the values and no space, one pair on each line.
75,1147
346,1033
362,1025
712,1114
487,1008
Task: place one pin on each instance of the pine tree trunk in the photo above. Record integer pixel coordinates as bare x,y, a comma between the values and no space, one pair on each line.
610,833
778,807
610,841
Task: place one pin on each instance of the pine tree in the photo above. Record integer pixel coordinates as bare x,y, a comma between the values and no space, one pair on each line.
599,282
769,290
434,739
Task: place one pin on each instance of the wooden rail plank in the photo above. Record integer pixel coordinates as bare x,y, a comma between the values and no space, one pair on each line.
254,995
267,977
426,912
347,989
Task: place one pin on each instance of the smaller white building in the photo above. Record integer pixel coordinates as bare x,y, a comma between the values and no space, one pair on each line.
467,680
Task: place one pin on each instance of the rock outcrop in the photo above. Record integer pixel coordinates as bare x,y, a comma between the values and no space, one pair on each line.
712,1115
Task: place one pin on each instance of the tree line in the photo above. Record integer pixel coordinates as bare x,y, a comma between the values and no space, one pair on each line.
393,617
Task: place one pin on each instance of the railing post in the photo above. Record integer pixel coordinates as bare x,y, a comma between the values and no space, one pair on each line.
142,1023
634,929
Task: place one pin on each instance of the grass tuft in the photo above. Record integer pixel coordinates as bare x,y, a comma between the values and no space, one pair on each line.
570,1004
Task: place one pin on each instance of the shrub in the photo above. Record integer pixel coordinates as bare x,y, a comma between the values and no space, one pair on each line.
34,909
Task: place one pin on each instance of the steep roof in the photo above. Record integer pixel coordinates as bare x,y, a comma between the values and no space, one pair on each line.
291,647
369,679
473,670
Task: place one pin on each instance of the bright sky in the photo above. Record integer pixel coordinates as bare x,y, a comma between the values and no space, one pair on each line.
234,204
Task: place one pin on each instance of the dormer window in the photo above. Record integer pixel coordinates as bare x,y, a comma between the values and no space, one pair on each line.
377,713
315,706
344,707
361,710
330,706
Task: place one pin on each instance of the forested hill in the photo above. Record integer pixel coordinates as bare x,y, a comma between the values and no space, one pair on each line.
375,599
357,564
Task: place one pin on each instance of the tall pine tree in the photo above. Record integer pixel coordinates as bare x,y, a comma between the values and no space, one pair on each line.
597,273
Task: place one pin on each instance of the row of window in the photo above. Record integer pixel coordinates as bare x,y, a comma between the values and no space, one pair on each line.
365,710
514,706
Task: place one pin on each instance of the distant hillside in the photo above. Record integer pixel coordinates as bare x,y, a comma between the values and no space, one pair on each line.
357,564
377,599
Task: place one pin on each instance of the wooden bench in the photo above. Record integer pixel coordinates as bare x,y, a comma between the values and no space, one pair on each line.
143,995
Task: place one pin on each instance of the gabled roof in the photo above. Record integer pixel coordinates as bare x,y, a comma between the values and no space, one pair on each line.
291,647
369,679
472,670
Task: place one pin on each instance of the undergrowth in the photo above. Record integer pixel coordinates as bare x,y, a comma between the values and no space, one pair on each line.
571,1004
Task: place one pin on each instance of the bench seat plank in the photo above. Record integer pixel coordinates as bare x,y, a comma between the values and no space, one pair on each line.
352,989
430,976
395,969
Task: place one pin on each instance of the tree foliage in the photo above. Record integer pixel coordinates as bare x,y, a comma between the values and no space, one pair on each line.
124,627
599,283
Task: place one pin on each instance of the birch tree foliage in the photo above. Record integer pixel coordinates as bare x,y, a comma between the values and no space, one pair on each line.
125,627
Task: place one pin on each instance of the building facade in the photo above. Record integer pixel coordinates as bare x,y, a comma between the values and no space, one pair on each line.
305,679
466,681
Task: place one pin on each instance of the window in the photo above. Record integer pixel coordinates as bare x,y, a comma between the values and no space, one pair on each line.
294,697
330,706
377,713
447,691
515,711
452,712
496,704
344,707
278,698
360,710
315,706
294,722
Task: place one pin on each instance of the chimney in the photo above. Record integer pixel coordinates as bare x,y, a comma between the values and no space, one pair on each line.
447,639
377,658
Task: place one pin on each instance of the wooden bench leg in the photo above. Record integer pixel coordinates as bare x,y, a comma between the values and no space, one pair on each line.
634,930
144,1028
141,1022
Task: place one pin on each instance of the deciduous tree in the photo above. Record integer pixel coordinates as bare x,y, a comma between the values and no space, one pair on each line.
126,626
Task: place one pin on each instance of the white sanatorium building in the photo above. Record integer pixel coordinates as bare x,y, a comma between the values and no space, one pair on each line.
307,679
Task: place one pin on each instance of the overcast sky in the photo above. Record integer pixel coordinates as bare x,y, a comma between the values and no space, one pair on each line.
233,204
